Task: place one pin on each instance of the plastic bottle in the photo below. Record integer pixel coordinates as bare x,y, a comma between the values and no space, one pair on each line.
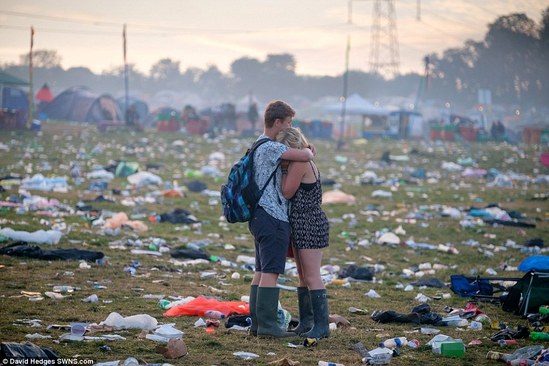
498,356
413,343
394,342
164,304
327,363
214,314
539,336
507,342
64,289
475,325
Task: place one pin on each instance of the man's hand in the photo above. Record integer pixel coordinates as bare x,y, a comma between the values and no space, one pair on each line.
284,164
313,149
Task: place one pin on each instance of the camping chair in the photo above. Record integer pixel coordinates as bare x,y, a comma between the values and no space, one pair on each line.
479,288
528,294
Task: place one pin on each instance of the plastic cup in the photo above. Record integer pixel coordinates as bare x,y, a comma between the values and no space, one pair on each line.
78,329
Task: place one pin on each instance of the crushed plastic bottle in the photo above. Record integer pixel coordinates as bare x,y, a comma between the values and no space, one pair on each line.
245,355
523,353
63,289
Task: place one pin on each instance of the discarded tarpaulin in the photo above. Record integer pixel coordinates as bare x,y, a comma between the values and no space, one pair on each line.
22,249
198,306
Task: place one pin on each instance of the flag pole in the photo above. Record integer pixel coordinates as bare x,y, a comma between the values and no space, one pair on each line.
31,93
344,96
126,83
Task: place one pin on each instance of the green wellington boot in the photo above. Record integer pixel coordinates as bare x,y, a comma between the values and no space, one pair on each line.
321,328
253,314
267,313
306,321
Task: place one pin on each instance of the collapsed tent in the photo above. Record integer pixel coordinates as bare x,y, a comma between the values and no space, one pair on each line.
81,104
528,294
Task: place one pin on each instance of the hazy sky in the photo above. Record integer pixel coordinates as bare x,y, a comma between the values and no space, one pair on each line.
217,32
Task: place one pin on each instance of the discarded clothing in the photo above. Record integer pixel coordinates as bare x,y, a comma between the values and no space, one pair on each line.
358,273
25,351
430,282
178,216
197,186
22,249
420,314
189,254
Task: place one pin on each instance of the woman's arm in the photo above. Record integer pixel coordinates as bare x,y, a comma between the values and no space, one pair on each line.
292,178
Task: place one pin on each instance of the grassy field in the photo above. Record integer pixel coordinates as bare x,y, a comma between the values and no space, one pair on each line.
415,205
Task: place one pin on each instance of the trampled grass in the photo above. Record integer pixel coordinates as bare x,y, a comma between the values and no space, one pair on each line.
416,205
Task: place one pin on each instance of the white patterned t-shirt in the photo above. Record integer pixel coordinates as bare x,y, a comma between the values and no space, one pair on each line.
266,158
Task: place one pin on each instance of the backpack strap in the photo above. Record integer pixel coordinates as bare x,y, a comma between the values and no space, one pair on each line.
255,145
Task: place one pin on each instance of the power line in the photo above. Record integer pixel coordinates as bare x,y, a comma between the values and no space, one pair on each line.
155,27
58,18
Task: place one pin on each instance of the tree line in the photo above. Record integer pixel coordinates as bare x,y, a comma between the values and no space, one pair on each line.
512,61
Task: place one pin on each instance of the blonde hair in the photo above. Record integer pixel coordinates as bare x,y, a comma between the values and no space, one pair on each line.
292,137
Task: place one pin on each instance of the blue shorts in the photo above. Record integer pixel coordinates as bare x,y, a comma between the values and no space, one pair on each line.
271,237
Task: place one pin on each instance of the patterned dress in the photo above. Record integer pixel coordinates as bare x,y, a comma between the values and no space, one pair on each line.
309,224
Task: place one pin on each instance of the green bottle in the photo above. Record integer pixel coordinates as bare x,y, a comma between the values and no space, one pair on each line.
539,336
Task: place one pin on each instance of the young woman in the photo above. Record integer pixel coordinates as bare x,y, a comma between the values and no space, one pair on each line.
309,230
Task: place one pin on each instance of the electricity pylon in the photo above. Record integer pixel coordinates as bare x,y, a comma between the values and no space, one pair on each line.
384,54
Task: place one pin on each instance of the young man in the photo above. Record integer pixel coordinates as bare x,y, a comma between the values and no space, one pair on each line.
269,225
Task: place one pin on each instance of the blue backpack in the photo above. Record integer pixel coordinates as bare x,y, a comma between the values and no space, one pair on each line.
240,195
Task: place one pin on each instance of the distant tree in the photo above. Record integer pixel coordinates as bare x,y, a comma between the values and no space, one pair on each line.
282,63
166,73
42,58
246,73
213,84
512,41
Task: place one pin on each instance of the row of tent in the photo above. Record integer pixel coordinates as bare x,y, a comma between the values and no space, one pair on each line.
83,105
77,103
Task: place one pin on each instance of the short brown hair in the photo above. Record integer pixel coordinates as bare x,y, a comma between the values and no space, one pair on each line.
277,110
